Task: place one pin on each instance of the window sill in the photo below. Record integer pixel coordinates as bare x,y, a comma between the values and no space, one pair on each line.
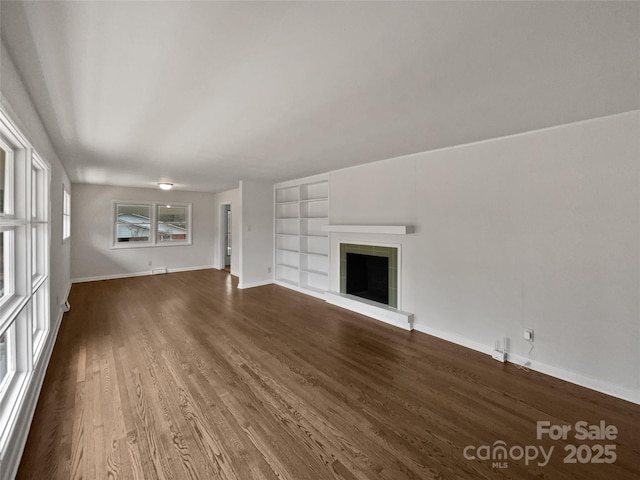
127,245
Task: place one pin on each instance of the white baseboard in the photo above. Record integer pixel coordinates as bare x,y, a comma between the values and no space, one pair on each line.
243,285
465,342
311,293
64,300
617,391
607,388
137,274
20,432
189,269
109,277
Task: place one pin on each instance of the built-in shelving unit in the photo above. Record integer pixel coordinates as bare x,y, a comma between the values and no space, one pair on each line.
301,243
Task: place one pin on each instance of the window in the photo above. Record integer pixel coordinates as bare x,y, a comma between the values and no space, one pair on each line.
133,223
9,225
39,226
24,271
151,224
34,193
172,223
3,176
6,358
39,190
5,264
39,319
6,178
66,214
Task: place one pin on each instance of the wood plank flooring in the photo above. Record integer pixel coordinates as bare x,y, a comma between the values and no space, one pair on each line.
183,376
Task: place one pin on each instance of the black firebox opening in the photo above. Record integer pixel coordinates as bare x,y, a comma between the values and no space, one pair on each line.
368,277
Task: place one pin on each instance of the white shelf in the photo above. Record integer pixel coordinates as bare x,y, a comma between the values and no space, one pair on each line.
315,254
384,229
315,272
301,245
290,267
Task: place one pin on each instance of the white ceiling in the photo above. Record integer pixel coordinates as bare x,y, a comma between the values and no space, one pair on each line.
204,94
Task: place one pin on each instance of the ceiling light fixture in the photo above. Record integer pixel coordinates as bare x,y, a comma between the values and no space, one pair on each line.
166,186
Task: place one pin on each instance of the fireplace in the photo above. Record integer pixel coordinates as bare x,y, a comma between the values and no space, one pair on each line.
377,292
368,277
369,272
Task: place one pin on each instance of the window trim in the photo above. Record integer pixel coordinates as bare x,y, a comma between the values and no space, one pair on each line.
153,231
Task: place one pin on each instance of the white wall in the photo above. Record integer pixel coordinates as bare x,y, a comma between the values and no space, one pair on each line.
230,197
539,230
92,256
16,101
256,234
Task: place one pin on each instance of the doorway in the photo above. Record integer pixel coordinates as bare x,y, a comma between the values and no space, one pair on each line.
225,237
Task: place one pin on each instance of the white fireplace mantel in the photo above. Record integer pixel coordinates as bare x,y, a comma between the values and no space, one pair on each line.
384,229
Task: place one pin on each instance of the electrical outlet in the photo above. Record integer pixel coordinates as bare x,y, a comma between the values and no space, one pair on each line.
150,263
268,269
500,350
528,334
500,356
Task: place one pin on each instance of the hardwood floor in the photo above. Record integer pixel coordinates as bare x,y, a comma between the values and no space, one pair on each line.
183,376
